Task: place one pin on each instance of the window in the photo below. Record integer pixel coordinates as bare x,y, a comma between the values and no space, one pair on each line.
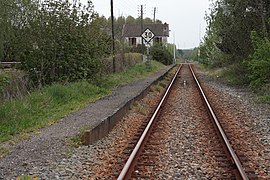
132,41
158,40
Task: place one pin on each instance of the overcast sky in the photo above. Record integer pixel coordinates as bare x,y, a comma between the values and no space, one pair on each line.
185,17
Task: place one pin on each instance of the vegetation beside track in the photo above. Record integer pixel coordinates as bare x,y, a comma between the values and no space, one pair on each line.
51,103
237,41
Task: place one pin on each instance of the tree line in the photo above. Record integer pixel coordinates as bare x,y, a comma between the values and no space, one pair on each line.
57,40
121,20
237,38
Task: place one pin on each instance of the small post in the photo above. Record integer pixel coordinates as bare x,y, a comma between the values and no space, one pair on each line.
148,61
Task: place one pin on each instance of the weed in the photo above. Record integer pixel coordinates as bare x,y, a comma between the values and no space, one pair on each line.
264,99
4,80
3,151
75,141
157,87
26,177
139,108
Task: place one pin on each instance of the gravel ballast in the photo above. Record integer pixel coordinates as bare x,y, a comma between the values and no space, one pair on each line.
47,155
248,120
184,153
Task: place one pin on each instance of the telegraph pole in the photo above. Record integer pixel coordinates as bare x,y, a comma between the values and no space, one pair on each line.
174,56
142,25
154,20
113,42
199,48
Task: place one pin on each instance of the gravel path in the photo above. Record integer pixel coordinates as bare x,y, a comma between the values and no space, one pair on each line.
40,154
99,160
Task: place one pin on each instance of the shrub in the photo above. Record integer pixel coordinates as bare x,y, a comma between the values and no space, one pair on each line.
59,41
260,63
161,54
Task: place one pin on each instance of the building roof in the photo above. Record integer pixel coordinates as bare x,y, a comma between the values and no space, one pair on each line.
134,30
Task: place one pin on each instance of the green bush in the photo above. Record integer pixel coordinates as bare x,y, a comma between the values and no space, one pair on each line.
259,65
57,41
236,74
161,54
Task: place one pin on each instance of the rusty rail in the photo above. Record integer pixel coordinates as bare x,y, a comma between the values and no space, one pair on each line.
235,160
131,162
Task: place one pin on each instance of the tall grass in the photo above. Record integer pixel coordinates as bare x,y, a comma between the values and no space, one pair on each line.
45,107
13,84
138,71
51,103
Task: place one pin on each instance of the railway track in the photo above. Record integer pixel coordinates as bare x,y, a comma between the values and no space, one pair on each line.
147,148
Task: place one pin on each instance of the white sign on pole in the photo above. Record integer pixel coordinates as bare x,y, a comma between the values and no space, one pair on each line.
147,35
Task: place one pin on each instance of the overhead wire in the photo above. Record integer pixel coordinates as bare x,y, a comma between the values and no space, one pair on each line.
129,7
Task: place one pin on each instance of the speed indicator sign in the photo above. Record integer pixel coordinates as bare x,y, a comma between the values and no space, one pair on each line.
147,35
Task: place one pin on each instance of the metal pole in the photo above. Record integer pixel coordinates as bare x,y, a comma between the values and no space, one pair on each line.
113,42
142,26
174,56
199,48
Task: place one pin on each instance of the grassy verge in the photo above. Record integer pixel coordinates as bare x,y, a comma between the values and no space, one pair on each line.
230,78
264,94
137,72
264,99
47,106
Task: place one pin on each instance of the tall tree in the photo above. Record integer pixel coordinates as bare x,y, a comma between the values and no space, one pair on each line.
147,20
14,17
238,38
130,20
119,26
230,24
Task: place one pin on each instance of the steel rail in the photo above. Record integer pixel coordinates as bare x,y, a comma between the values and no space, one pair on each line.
131,162
234,157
